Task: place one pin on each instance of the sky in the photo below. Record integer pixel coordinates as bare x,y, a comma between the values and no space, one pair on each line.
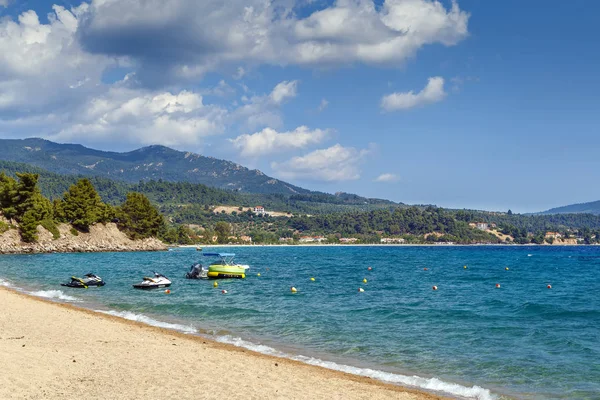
464,104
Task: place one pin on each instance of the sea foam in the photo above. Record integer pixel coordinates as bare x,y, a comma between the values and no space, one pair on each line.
53,294
5,283
432,384
150,321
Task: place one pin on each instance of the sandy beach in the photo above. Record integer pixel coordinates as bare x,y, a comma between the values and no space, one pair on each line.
58,351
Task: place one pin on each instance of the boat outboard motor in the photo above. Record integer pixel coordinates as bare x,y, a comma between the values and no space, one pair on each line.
195,272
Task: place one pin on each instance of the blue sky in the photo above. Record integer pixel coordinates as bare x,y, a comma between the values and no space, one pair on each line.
472,104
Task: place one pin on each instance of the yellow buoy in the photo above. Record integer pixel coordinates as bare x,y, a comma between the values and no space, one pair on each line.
506,269
365,280
293,289
312,279
258,274
215,284
465,267
360,290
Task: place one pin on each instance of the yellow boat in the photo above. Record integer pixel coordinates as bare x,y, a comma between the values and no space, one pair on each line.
225,267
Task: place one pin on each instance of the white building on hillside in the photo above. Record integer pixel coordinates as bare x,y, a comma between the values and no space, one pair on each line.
259,210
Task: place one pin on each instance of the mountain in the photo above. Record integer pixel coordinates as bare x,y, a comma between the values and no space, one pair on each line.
147,163
192,197
581,208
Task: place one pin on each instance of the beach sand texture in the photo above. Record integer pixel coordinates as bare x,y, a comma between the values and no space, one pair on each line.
56,351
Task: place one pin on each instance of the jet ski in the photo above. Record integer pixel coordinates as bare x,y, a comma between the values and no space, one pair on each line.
197,271
155,282
85,282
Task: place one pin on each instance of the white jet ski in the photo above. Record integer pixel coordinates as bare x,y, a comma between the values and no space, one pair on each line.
156,282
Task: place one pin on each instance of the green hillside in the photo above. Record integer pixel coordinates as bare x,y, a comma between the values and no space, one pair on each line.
581,208
147,163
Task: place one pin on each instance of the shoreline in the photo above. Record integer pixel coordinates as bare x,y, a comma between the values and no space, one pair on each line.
186,246
277,377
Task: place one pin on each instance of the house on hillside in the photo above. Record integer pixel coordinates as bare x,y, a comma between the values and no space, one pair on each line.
348,240
260,210
392,240
246,239
484,226
312,239
553,235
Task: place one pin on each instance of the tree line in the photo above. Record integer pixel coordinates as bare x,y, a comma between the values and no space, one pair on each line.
80,206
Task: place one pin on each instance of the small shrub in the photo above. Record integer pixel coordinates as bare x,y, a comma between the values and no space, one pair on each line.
74,231
51,227
4,227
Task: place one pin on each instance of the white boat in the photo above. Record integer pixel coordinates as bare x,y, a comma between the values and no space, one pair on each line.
156,282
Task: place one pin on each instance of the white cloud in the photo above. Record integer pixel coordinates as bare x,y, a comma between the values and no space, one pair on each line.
3,3
141,117
263,111
336,163
269,141
432,93
184,39
51,73
283,91
323,105
387,178
42,66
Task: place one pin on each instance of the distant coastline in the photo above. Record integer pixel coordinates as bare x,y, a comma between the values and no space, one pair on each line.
383,245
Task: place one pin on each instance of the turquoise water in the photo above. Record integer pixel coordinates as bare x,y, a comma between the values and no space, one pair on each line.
468,338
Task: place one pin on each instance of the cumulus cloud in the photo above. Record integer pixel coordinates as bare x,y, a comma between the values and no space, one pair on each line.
146,118
51,73
387,178
42,63
284,90
3,3
269,141
184,39
336,163
432,93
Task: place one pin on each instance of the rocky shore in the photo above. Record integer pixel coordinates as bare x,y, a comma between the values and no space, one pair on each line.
100,238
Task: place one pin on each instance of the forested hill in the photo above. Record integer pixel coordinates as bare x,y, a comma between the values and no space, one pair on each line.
193,196
581,208
147,163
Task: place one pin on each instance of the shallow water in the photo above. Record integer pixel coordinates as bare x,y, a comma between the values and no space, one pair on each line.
468,338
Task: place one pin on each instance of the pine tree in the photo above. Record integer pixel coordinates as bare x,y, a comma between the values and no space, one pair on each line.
82,206
8,187
138,218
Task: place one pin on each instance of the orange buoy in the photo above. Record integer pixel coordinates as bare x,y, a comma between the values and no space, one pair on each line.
360,290
549,286
497,285
370,269
424,269
434,288
224,291
168,291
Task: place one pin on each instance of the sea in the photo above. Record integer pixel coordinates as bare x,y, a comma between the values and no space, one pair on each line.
506,322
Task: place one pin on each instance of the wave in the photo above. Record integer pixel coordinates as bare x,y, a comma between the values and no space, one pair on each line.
5,283
433,384
150,321
53,294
